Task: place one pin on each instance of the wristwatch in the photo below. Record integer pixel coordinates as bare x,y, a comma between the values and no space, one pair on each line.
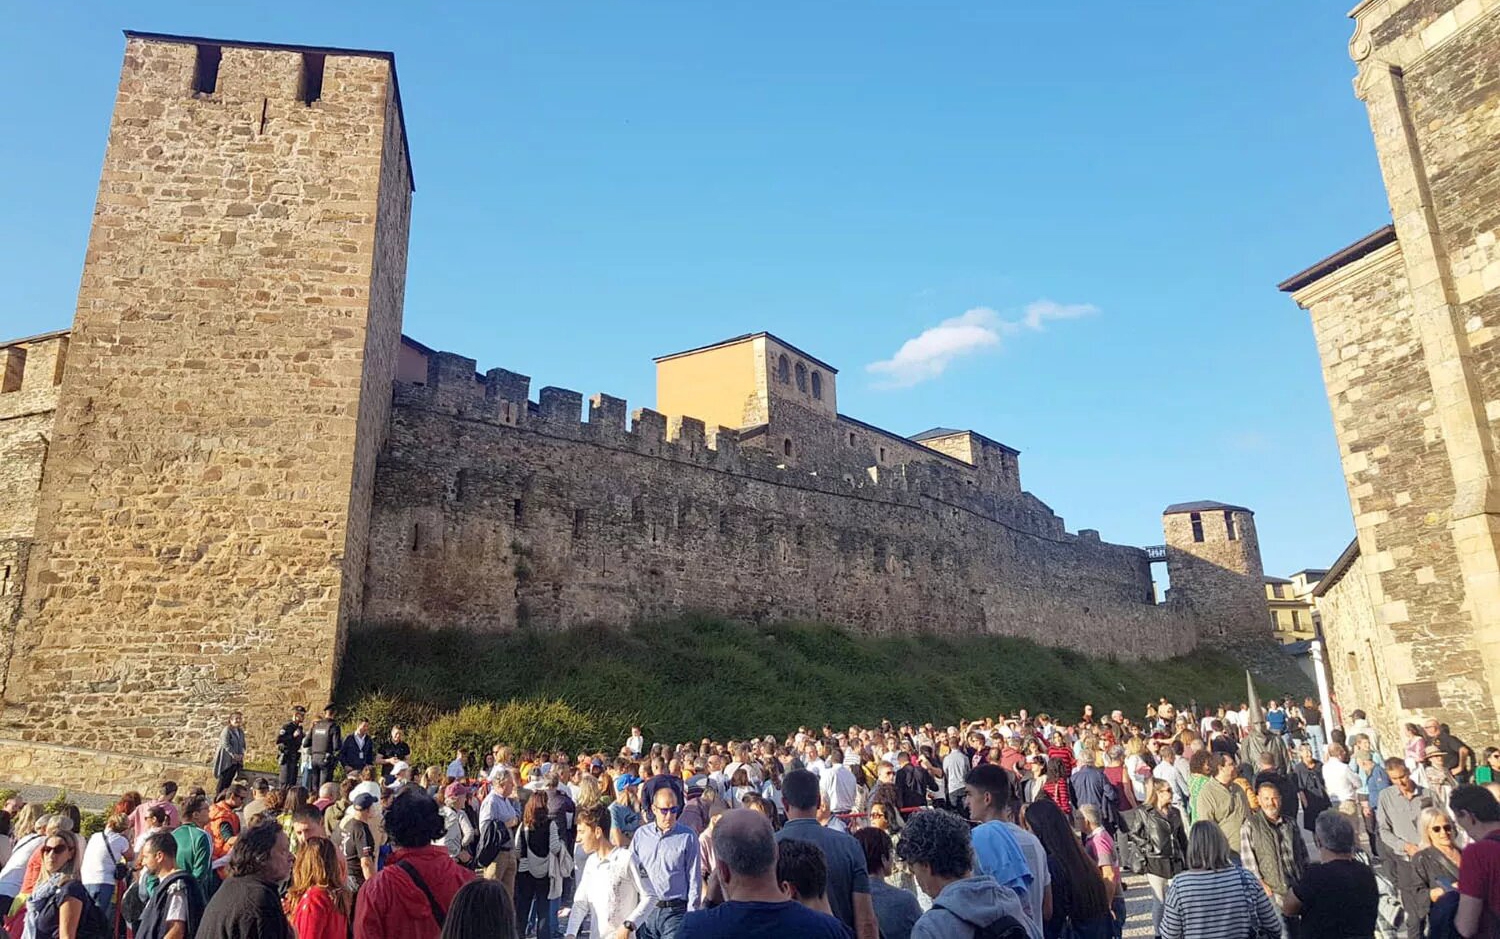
629,926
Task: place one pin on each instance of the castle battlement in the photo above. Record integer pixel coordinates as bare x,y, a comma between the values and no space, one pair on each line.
904,469
30,371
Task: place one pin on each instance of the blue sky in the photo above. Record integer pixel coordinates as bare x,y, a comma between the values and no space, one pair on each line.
1108,192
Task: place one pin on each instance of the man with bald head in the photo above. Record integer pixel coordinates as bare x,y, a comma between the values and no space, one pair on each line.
745,861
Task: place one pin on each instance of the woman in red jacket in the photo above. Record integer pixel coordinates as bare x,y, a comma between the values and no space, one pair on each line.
319,903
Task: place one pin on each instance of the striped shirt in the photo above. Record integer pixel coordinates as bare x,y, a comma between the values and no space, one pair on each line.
1222,904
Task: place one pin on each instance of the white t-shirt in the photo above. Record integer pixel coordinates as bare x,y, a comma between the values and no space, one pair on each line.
1340,781
97,869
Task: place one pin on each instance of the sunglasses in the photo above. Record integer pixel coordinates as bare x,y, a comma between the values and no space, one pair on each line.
1447,828
669,810
48,849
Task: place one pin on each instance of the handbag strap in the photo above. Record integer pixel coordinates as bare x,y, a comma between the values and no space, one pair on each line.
437,911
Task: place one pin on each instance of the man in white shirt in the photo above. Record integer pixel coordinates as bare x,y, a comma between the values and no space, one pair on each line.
606,890
1342,784
837,784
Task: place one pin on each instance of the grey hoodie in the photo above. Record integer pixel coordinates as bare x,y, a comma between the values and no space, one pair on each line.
965,905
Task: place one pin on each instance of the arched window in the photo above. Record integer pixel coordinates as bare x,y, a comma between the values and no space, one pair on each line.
801,377
786,446
818,385
783,370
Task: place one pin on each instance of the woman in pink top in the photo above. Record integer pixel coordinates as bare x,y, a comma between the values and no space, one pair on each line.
1416,747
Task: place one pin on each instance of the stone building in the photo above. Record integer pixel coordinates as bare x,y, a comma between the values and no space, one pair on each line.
234,456
1405,321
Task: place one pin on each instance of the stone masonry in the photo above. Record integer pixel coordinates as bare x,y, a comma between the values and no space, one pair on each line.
234,455
201,522
1405,322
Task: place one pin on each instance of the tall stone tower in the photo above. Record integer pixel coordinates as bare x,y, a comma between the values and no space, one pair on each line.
1406,321
1213,561
202,519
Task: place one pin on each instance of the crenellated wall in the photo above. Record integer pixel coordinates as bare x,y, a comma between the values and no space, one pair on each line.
493,512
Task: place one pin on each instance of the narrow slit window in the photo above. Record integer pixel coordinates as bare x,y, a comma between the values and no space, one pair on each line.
312,77
1229,525
786,447
1197,521
817,386
851,440
518,508
580,522
206,69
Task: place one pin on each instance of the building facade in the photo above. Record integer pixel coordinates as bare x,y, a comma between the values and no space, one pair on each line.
1294,614
234,457
1405,321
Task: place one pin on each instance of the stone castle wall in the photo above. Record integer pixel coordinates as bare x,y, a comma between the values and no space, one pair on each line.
199,533
492,513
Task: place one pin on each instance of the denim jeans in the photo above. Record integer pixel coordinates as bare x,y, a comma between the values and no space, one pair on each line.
104,899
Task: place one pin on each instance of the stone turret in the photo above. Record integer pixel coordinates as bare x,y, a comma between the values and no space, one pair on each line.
1213,561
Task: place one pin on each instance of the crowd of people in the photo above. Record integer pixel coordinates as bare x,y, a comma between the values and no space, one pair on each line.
1016,826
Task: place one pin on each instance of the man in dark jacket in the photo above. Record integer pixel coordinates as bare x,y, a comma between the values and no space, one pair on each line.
174,910
246,904
323,742
289,747
358,750
1091,787
1271,847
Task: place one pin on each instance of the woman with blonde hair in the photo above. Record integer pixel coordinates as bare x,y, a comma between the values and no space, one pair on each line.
1215,897
1434,868
56,906
319,903
589,794
1156,830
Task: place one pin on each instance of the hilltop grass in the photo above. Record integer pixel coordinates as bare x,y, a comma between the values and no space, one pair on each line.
689,678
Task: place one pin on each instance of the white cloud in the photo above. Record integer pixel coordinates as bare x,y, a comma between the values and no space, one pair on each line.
1040,312
929,354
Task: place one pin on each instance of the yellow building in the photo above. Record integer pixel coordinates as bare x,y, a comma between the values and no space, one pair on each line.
1294,616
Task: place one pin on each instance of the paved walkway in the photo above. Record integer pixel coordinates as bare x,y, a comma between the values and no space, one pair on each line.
87,801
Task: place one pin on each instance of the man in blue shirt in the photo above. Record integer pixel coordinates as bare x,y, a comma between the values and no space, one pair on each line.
848,880
668,871
745,861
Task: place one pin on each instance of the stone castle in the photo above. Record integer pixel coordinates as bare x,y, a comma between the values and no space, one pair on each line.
235,454
1406,321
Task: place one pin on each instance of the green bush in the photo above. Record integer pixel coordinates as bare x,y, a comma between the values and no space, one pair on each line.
92,823
522,724
385,711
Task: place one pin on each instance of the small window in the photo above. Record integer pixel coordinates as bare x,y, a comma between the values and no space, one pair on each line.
851,440
206,69
1296,619
783,370
817,385
882,454
518,509
312,78
580,522
786,447
1229,525
801,378
1197,521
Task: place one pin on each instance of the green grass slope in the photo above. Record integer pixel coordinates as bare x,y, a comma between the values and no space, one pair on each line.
690,678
